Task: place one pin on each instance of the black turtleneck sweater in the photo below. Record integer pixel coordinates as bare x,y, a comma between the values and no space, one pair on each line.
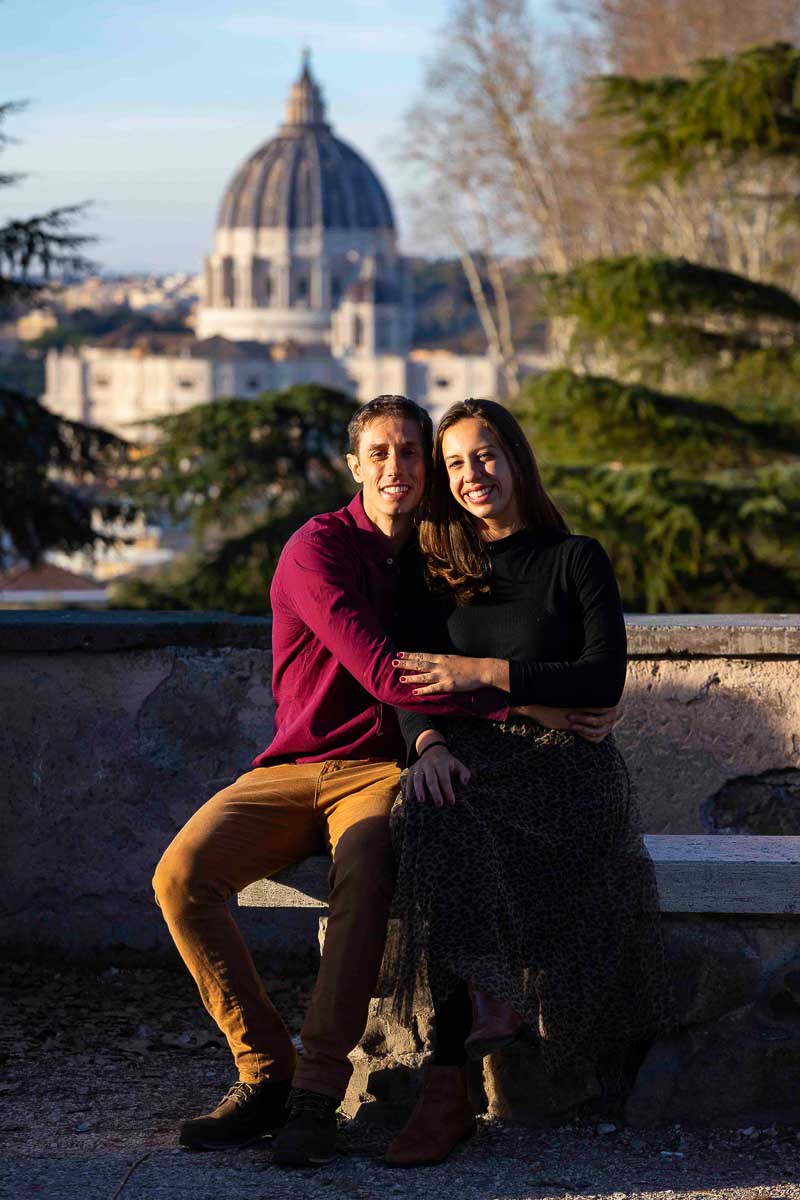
553,610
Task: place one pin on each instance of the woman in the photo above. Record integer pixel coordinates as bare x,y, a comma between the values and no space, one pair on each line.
526,901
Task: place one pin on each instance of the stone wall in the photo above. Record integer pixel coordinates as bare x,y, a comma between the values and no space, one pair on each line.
712,722
117,726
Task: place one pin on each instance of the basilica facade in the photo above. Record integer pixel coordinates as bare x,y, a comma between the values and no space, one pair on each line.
305,283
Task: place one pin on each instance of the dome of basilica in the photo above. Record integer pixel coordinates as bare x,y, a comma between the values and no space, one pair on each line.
305,177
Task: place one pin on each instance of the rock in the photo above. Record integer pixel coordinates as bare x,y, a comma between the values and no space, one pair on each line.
741,1066
383,1090
783,998
606,1127
386,1036
518,1088
712,965
767,803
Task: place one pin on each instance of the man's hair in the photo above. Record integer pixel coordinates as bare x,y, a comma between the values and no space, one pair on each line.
391,406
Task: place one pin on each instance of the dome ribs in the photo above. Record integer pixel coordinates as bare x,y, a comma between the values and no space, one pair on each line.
308,179
267,182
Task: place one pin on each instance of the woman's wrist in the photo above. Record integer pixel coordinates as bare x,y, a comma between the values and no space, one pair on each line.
495,673
430,737
430,746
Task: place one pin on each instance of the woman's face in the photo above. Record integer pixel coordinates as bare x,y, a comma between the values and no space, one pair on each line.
480,475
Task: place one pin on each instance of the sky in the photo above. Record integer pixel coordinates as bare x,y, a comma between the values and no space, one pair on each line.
146,107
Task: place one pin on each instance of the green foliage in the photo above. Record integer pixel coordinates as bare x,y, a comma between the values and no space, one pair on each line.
764,382
746,103
658,311
54,477
696,490
54,474
233,577
244,474
586,419
733,108
222,462
680,541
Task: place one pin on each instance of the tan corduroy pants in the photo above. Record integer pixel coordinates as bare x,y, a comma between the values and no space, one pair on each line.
266,820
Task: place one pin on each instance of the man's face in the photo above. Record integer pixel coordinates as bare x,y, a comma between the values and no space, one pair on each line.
390,465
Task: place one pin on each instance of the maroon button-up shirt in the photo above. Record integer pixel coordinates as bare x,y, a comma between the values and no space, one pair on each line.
334,597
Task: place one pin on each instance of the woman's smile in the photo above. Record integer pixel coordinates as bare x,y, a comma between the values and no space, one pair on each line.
476,495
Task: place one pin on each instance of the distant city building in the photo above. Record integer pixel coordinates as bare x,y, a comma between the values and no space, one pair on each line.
35,323
304,284
49,586
147,293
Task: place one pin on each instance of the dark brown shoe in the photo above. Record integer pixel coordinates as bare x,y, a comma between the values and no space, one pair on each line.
308,1139
495,1025
244,1114
442,1118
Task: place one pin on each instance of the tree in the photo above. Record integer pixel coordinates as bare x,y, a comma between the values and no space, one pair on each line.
675,434
56,476
646,38
486,148
511,158
56,482
244,474
32,249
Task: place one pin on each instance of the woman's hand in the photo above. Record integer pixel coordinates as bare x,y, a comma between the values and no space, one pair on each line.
432,674
431,777
592,724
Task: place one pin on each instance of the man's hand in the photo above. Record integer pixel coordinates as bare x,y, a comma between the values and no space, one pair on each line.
432,776
433,674
592,724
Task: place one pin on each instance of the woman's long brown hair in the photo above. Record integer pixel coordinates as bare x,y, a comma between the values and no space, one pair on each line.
455,555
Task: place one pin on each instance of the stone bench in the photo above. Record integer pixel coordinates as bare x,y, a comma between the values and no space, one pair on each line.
695,874
731,925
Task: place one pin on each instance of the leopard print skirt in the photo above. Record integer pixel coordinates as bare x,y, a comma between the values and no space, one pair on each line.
536,888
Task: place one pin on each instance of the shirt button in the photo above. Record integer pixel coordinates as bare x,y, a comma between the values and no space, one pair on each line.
389,561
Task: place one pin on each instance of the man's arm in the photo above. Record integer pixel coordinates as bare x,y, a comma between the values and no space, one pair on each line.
332,605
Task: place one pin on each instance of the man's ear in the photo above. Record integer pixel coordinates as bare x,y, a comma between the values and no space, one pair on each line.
355,467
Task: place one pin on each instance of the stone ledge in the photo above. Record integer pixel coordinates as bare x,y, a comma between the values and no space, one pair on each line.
675,635
50,632
714,635
696,874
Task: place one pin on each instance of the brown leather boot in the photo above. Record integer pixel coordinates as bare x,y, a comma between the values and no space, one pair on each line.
442,1118
495,1025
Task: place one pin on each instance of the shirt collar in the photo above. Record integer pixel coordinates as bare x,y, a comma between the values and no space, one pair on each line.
373,544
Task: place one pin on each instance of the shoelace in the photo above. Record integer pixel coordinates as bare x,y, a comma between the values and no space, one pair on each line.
240,1093
316,1105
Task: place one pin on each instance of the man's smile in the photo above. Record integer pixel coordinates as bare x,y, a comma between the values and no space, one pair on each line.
396,489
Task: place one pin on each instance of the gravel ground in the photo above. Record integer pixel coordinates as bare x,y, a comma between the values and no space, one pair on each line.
99,1066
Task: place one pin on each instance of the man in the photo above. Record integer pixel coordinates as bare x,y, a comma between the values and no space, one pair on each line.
328,778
